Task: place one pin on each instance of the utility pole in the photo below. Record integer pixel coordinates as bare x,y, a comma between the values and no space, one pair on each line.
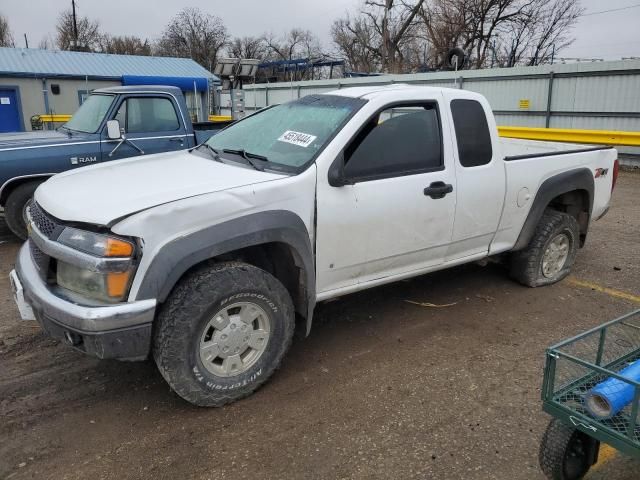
75,23
512,54
26,41
493,53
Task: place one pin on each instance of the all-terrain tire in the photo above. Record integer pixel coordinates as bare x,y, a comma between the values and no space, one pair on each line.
186,314
526,266
15,205
560,457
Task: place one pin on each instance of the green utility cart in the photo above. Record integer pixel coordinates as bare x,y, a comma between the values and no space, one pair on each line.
574,370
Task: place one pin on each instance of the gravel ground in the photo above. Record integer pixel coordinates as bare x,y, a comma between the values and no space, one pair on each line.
381,389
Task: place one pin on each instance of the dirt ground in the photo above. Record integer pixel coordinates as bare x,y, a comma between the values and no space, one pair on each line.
381,389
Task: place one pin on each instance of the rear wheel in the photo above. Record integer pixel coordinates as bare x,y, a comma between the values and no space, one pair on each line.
551,252
15,208
222,332
566,453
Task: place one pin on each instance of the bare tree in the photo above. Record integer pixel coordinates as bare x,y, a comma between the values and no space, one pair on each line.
533,38
383,32
352,39
88,33
295,44
193,34
6,37
48,42
445,24
248,47
125,45
506,32
407,35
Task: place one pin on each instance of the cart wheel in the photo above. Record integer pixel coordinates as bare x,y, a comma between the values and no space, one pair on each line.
566,453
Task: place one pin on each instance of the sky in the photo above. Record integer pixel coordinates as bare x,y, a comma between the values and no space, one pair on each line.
609,36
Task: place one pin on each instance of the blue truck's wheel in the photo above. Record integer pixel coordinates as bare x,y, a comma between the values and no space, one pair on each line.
222,332
15,205
566,453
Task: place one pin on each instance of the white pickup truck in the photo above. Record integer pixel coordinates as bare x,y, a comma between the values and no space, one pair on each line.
206,258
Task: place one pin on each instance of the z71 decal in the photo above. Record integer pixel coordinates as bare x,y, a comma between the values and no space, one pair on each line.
601,172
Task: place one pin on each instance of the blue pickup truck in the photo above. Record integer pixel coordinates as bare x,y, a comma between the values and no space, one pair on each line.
113,123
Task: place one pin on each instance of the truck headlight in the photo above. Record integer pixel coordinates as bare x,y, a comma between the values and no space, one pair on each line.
95,243
107,287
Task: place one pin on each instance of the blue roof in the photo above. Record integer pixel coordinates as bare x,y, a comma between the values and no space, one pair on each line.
32,62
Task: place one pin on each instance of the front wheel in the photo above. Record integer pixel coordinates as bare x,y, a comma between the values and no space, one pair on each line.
15,208
551,252
566,453
222,332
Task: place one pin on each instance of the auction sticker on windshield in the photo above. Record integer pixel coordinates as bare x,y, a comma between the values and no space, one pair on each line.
297,138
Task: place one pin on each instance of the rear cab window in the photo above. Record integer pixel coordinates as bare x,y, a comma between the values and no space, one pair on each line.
472,133
399,140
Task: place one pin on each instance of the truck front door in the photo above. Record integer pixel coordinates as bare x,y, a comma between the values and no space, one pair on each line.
398,215
150,123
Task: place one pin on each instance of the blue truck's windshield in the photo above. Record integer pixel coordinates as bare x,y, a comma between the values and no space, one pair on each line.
89,116
290,134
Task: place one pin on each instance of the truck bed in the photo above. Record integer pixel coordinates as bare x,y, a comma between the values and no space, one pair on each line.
518,149
528,163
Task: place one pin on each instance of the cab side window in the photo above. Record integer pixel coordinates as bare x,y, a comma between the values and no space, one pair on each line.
147,114
472,133
401,140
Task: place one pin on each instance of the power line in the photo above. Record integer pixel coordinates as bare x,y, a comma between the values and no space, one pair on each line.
612,10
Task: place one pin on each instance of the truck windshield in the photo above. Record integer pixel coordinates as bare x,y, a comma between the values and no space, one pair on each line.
89,116
291,134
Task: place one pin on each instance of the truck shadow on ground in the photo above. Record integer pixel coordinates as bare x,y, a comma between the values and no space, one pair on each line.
44,376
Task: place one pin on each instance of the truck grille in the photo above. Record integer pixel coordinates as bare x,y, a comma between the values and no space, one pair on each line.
40,259
43,222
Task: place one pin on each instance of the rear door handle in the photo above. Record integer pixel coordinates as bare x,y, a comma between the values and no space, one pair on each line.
438,190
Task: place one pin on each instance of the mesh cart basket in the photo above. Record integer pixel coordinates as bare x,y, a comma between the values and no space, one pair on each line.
591,389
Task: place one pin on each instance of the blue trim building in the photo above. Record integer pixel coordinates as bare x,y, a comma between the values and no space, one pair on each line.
34,81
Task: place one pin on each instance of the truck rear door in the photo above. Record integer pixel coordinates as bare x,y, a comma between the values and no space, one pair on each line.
150,122
480,175
397,217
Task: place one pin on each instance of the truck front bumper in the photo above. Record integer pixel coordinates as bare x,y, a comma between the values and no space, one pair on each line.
121,331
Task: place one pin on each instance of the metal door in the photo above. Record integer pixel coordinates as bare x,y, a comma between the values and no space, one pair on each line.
9,113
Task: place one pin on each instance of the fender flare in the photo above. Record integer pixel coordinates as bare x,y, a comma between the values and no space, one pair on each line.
580,179
21,179
275,226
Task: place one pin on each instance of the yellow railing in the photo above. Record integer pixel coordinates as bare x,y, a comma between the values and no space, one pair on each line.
220,118
598,137
65,118
54,118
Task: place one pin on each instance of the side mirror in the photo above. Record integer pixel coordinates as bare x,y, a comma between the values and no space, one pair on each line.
113,130
336,176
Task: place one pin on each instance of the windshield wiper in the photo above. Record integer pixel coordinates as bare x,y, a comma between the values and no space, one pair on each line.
248,157
215,154
68,130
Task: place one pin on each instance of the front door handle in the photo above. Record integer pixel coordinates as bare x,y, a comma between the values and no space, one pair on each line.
438,190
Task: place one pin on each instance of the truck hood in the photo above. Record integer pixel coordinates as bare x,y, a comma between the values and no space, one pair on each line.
38,138
101,194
